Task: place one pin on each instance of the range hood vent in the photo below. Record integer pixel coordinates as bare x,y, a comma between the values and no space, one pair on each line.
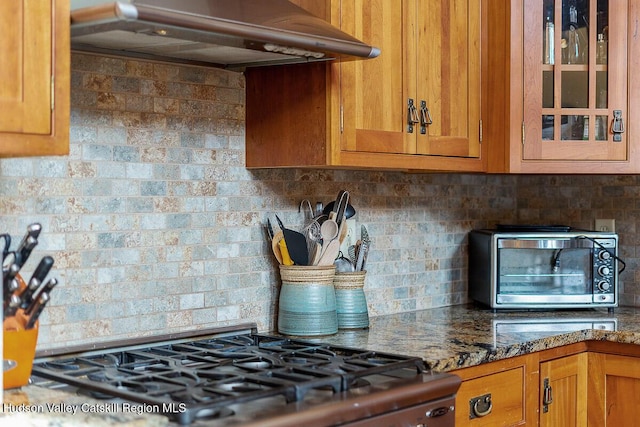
232,34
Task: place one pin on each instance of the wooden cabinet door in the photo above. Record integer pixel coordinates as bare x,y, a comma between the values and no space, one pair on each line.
374,93
614,387
448,76
563,387
543,116
34,77
571,99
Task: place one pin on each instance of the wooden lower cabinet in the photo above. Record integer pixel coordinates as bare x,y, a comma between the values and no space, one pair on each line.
502,393
570,386
563,385
614,390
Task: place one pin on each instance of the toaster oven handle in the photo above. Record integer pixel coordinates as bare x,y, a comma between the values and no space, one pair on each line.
542,243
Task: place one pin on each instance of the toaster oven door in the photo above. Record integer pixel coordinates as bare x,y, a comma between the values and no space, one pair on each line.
544,271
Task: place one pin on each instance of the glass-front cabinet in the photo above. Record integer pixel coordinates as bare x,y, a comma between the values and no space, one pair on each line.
575,80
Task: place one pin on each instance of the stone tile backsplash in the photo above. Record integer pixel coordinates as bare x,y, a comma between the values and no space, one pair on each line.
157,227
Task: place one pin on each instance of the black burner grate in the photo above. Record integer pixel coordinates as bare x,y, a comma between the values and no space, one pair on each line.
208,375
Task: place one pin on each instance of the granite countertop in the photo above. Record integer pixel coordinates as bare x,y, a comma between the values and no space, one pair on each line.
461,336
33,406
447,338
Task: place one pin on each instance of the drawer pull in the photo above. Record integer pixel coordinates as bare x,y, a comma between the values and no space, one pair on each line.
480,406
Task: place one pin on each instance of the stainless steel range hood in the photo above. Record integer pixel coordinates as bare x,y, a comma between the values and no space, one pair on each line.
230,33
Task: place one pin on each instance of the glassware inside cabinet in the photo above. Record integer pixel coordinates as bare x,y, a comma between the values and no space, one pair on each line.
574,81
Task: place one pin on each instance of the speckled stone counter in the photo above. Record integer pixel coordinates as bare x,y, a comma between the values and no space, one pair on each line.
461,336
33,406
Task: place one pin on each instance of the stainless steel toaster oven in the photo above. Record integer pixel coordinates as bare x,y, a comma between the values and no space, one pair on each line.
553,268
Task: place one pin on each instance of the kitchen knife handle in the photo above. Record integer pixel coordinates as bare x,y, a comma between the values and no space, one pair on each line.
42,300
26,295
42,269
48,287
11,306
23,252
34,230
7,280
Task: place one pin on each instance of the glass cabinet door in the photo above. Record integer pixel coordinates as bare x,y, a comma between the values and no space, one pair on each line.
575,79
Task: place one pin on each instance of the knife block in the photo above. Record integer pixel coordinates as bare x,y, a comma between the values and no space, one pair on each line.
18,348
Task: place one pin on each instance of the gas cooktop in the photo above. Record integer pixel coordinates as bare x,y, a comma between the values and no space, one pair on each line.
205,378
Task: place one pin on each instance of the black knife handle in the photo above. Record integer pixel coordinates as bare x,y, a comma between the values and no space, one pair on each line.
42,269
38,306
24,250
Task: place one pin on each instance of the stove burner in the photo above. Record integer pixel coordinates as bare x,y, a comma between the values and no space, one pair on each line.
207,376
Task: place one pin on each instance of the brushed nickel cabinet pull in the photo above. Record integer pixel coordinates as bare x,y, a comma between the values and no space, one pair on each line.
617,126
412,115
425,117
547,396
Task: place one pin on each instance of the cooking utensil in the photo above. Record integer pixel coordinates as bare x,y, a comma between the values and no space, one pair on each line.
311,228
362,254
329,252
269,229
352,254
315,254
349,212
363,250
279,248
329,231
296,244
343,264
343,200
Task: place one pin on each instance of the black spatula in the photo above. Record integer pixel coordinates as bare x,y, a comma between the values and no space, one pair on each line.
296,244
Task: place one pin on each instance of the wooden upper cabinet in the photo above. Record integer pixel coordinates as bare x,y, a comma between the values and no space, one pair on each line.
558,73
448,76
34,78
373,93
355,114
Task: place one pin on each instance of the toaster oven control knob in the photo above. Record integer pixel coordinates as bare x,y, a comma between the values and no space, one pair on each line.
604,255
604,286
603,270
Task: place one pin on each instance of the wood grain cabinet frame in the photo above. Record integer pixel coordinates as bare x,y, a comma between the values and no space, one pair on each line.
34,78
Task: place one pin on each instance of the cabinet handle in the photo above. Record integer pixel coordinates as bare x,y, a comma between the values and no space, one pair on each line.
480,406
412,115
425,117
547,396
617,126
